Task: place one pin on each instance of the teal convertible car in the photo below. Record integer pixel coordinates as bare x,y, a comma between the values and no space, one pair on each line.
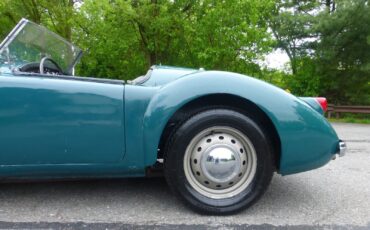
218,137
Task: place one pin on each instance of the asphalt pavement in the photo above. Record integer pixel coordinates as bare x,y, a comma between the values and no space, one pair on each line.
336,196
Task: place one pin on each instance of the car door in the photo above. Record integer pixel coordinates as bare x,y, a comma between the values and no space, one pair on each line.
60,120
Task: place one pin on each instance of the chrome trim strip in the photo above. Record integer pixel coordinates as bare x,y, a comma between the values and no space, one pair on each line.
66,77
8,39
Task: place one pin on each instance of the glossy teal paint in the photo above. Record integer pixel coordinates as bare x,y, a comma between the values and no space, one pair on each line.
313,103
58,128
166,74
137,99
307,139
52,121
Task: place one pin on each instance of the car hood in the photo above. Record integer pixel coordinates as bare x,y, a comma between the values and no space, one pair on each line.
161,75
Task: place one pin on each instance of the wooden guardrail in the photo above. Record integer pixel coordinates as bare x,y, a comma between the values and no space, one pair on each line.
337,109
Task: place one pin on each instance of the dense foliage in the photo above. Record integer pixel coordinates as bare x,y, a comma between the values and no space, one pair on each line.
327,41
328,44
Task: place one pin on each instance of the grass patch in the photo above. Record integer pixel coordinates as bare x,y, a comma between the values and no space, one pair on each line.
352,118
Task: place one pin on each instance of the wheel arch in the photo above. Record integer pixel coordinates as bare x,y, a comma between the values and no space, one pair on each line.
295,122
222,100
214,88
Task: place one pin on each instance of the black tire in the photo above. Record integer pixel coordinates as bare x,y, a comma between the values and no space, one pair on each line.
176,148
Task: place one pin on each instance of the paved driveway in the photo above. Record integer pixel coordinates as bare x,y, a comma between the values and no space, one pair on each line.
335,196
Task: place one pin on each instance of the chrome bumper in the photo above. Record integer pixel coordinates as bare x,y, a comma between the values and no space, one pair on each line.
342,149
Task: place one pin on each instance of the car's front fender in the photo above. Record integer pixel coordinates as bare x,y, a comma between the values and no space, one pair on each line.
307,139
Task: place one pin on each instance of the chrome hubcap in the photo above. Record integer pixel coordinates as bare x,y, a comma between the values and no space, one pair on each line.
220,162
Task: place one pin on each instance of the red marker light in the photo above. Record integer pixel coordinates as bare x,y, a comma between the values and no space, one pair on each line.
323,102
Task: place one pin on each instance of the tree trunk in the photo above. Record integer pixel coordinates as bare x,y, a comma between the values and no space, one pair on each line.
330,5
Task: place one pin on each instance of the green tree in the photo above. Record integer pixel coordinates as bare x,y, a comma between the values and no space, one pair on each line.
306,81
108,33
328,47
327,41
228,35
343,52
292,28
126,37
55,14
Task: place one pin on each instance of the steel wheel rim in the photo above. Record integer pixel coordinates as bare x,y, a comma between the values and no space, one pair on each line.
220,162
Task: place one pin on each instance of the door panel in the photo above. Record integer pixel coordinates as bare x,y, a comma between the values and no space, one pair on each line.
60,121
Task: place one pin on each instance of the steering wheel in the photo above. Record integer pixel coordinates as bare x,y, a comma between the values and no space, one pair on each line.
52,61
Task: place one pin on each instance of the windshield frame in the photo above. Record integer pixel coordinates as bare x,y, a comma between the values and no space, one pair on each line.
19,27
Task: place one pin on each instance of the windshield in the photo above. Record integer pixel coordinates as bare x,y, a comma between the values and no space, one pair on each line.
29,42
